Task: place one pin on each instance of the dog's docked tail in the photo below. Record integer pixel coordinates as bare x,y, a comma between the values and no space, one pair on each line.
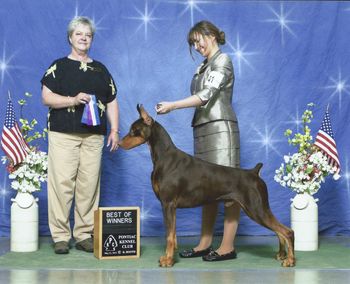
258,168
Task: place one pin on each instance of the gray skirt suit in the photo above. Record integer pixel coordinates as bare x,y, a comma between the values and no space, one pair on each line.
215,125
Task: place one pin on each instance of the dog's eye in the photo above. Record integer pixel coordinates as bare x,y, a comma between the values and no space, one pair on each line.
135,132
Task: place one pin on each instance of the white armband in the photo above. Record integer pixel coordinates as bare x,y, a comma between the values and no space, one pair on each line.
214,79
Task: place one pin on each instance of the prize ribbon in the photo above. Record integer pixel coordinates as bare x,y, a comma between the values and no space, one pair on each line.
90,115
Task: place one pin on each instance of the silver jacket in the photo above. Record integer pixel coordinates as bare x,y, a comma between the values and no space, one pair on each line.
213,84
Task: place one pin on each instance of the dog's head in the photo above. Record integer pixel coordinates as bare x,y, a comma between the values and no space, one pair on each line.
139,132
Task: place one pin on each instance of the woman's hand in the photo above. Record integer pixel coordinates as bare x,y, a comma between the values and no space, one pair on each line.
58,101
81,98
191,101
164,107
113,139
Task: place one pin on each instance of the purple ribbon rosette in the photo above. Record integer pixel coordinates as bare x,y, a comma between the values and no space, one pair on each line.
90,115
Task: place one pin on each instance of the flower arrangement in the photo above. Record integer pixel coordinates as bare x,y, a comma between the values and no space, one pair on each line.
32,171
305,170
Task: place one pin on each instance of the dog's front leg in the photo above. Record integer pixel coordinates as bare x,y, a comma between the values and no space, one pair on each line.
169,212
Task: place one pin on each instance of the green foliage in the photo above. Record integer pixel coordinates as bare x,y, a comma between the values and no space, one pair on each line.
28,128
302,140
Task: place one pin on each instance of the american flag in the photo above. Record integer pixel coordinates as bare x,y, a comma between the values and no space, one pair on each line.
12,141
326,143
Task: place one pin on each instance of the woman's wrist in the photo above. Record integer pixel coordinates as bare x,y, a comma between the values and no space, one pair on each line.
115,130
173,106
71,102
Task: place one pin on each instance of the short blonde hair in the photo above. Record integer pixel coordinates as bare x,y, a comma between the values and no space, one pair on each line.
80,20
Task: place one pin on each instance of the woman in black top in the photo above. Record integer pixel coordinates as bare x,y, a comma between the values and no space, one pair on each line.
73,87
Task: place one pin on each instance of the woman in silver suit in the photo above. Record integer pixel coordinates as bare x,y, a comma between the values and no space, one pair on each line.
215,130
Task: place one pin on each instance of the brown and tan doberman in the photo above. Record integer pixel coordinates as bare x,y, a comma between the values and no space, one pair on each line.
180,180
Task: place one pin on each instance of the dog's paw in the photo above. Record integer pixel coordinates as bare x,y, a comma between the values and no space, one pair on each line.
282,255
288,262
165,261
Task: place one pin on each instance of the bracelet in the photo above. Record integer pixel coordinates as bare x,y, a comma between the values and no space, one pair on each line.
116,131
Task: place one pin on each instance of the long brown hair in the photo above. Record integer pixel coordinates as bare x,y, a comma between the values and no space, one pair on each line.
205,28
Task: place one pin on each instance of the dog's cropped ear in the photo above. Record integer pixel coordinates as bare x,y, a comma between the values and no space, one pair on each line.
144,115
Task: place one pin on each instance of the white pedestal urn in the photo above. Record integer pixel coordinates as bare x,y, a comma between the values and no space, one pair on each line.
304,222
24,223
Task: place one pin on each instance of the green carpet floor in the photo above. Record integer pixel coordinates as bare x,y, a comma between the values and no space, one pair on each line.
256,254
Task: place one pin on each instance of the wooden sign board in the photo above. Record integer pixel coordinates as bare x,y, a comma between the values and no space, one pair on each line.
117,232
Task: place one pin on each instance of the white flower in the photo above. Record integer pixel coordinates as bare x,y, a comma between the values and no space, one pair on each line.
306,173
286,159
30,173
15,185
305,170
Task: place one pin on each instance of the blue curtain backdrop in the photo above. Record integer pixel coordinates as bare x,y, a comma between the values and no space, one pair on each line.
285,54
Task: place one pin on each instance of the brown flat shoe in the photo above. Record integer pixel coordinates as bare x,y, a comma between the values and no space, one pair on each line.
85,245
61,247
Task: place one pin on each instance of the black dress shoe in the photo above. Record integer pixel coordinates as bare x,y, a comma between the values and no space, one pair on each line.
188,253
214,256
